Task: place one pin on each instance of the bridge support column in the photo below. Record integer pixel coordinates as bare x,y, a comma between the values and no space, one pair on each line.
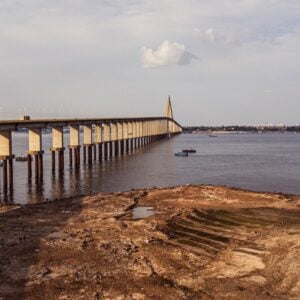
58,147
117,144
35,150
98,138
7,159
11,174
4,175
125,126
114,139
61,160
106,140
84,154
100,148
105,150
95,151
53,161
131,145
120,137
90,154
29,166
110,149
70,157
88,143
129,136
38,165
121,147
133,136
127,146
74,147
74,156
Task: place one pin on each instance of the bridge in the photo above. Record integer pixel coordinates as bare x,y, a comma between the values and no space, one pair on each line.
103,139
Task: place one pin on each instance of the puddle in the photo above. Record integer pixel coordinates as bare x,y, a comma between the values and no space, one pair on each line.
142,212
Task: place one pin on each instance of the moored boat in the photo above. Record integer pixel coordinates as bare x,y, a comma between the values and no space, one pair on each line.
184,154
212,135
189,150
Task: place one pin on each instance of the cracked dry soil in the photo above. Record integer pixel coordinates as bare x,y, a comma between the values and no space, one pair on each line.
203,242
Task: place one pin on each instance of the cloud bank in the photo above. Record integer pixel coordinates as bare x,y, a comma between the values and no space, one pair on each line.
167,54
69,50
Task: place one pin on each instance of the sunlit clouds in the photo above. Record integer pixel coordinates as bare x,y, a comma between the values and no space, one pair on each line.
167,54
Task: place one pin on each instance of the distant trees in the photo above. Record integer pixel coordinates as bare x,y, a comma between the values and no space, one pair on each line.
253,129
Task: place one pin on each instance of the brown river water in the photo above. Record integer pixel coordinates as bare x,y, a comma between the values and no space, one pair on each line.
262,162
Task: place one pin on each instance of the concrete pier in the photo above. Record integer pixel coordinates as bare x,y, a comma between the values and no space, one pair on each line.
120,141
87,144
106,140
7,158
125,138
35,151
130,136
74,147
114,149
57,148
98,141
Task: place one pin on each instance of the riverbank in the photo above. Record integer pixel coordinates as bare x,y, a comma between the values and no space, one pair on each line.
207,242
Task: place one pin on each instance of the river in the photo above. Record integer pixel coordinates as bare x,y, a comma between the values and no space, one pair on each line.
261,162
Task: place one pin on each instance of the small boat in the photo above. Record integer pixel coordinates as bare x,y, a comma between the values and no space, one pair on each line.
183,154
212,135
21,158
189,150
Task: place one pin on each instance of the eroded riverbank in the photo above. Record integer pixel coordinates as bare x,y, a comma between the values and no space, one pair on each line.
199,242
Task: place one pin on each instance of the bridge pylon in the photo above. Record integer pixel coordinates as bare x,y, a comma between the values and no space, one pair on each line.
169,110
169,114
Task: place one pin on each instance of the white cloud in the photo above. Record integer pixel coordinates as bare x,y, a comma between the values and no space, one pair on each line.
166,54
211,35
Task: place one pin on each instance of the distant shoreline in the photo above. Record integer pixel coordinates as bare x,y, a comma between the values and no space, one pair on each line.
240,129
238,132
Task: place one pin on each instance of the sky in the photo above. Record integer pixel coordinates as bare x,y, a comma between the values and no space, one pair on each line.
223,62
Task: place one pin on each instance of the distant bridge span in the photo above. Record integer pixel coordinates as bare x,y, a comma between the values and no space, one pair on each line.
103,138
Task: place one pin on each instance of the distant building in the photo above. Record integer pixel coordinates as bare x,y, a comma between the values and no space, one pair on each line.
24,118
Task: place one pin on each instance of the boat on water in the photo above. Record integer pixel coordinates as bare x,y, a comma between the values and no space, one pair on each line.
190,150
212,135
183,154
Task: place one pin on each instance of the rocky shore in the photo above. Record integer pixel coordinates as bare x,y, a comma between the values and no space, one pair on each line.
198,242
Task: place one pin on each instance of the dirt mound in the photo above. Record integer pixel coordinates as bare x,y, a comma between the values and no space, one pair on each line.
202,242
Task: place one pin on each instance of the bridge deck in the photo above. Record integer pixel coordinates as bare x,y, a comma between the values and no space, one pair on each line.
43,123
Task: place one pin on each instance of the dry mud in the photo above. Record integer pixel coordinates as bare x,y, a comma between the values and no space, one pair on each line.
203,242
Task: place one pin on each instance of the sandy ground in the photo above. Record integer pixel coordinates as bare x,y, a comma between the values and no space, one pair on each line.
203,242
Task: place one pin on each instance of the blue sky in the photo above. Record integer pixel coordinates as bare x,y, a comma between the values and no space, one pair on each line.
222,61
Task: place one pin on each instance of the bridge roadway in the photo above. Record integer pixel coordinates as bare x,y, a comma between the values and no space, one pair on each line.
103,138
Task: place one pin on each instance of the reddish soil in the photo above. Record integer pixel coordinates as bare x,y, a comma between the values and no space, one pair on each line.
203,242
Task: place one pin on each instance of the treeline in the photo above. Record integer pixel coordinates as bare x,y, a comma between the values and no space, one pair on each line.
253,129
